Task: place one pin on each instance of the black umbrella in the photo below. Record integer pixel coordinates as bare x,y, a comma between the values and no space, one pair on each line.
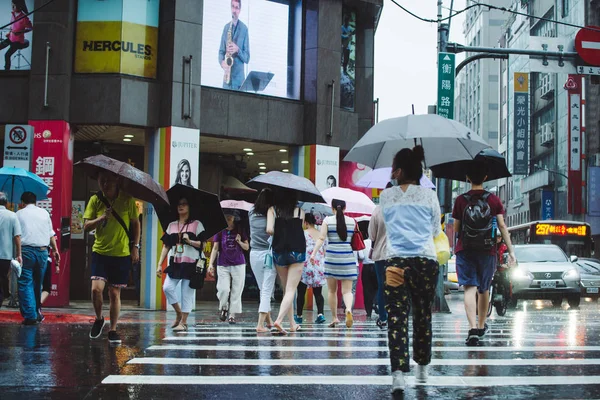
306,190
204,207
493,161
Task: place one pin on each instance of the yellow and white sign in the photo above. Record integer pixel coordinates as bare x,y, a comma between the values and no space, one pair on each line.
117,36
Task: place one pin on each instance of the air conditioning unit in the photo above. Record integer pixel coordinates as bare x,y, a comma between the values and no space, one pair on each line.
547,90
547,134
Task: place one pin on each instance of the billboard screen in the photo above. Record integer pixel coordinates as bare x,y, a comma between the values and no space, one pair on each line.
348,72
15,39
253,46
117,36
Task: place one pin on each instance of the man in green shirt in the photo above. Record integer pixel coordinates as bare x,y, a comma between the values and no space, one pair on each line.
114,250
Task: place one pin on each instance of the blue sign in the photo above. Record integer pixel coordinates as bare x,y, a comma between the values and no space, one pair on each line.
547,204
594,191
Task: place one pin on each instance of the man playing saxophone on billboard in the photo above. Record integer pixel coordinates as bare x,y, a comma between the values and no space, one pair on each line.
234,51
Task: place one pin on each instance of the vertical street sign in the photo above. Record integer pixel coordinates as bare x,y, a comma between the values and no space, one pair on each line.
17,146
594,191
521,127
575,183
547,204
445,100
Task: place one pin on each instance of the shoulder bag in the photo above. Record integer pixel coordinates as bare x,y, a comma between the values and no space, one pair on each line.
357,242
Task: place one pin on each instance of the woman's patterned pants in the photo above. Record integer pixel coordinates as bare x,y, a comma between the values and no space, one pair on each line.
410,280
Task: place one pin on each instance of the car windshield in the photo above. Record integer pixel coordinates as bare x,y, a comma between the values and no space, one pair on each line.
539,254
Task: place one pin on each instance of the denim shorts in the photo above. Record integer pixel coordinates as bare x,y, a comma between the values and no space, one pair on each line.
475,269
114,270
285,259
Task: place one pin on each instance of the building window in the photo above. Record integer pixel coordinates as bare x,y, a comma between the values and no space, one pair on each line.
565,8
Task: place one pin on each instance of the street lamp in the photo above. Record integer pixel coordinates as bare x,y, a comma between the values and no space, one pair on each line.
570,189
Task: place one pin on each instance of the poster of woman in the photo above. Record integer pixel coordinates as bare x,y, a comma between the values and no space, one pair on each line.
15,39
185,156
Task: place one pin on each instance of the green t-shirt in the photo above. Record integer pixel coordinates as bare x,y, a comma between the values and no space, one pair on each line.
112,240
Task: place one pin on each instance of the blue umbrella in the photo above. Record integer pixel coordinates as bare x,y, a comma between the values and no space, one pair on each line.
15,181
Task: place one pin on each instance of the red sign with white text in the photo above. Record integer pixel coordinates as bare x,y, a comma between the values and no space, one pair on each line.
53,162
575,184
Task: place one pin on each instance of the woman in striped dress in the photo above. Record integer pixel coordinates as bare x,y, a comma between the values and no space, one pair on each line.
340,261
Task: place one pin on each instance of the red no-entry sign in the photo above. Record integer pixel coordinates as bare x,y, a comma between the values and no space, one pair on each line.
587,45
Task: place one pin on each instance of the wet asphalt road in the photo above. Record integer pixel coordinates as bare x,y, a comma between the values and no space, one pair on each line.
535,351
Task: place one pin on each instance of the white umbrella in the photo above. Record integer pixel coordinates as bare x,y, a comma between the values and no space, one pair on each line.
444,140
379,179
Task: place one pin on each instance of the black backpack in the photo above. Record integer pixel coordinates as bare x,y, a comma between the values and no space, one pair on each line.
477,223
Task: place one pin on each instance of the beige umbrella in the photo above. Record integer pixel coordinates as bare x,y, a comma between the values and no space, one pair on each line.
231,184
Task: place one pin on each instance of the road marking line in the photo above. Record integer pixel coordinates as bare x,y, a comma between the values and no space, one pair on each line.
382,334
516,349
234,362
468,381
341,339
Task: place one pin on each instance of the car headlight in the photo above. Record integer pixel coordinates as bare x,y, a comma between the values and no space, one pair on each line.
520,273
571,274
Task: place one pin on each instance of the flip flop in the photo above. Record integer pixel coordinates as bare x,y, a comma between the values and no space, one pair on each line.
333,324
181,328
278,329
177,322
349,319
263,330
297,329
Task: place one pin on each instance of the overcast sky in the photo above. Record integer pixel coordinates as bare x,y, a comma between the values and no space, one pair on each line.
405,56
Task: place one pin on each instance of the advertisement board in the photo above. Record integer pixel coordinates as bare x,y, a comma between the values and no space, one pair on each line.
117,36
521,121
53,162
327,170
16,38
185,156
253,46
348,69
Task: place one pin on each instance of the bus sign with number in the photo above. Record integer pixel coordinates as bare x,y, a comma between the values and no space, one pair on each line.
549,229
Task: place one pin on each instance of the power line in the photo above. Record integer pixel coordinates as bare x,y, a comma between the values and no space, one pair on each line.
26,15
492,7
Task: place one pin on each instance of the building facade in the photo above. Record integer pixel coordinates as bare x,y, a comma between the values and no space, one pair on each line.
144,82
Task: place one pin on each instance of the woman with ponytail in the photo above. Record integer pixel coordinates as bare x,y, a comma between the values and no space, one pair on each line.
340,261
411,215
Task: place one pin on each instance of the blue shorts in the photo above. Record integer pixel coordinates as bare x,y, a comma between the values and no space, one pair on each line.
285,259
475,269
114,270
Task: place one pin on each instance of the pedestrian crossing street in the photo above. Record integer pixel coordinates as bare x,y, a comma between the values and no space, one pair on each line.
516,352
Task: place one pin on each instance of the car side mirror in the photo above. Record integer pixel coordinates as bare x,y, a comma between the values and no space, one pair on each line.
574,258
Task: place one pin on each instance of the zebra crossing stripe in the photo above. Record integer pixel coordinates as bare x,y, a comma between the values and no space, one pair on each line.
553,349
333,338
358,362
467,381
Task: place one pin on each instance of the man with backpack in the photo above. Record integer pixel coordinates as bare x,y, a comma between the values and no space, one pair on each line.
477,214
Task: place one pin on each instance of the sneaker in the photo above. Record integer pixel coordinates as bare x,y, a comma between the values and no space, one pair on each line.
29,322
113,337
298,319
398,384
483,331
97,328
472,338
320,319
223,315
421,373
381,324
40,316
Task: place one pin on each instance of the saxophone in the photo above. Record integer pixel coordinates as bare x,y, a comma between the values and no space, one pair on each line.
228,57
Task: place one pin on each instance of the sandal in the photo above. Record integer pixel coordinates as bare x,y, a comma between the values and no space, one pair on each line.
298,328
177,321
224,314
263,330
231,321
333,324
349,319
181,328
278,329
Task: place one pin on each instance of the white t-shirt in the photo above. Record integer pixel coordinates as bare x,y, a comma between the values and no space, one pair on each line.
36,226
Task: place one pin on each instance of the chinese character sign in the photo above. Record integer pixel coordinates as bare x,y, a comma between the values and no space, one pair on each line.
521,124
547,204
445,104
594,191
575,151
52,161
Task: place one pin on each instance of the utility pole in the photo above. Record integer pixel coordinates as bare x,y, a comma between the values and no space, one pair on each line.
440,304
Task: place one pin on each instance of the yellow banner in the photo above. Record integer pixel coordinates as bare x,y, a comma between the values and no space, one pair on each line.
116,47
521,82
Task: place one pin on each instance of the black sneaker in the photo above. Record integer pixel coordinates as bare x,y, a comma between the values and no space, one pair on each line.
472,338
483,331
113,337
97,328
381,324
40,316
224,314
29,322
